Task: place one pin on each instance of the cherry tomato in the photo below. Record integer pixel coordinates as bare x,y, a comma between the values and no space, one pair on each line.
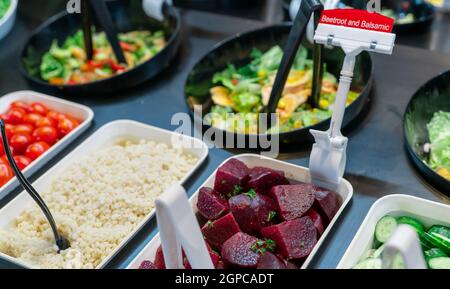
20,142
56,116
2,150
36,149
39,108
23,129
10,130
65,126
32,118
21,104
16,115
46,121
22,161
6,173
46,134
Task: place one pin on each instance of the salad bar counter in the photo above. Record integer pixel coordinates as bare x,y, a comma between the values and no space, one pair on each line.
379,165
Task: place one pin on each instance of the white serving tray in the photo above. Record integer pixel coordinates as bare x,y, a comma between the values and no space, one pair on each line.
104,136
292,172
428,212
81,112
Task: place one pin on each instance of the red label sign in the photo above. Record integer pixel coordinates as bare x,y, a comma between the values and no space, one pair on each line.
355,18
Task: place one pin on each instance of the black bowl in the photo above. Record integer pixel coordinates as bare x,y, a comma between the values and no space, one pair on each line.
430,98
424,15
127,16
216,4
237,49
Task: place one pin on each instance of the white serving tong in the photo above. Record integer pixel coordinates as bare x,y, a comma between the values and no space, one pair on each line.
180,230
328,156
405,242
155,8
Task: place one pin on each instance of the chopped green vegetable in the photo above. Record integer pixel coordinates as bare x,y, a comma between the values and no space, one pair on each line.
261,247
385,228
414,223
439,135
4,6
251,194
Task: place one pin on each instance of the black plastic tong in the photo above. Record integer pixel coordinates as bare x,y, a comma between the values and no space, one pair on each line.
104,18
60,240
307,8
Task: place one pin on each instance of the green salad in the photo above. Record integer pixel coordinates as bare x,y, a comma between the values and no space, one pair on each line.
241,93
4,6
67,64
408,18
439,135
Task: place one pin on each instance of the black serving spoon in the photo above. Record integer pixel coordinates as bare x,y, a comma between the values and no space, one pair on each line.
87,26
104,18
307,8
60,240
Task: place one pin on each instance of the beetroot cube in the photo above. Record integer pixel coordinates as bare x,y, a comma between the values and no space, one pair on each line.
317,220
159,258
270,261
295,239
231,177
147,265
293,201
211,204
252,211
218,231
326,203
237,251
263,179
291,266
214,258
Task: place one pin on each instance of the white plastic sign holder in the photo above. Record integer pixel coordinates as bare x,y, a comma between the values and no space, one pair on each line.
180,230
346,28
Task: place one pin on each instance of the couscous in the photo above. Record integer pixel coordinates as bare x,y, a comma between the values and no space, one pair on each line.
97,202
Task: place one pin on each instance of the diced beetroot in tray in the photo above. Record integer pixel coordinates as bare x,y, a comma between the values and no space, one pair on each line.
317,220
211,204
270,261
147,265
252,211
159,258
263,179
218,231
293,201
230,176
295,239
326,203
237,251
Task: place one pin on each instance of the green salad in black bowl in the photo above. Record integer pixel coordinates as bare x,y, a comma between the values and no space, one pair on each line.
427,131
231,85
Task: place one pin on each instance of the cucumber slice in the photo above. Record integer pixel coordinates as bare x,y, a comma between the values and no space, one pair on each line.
438,241
441,230
368,254
439,263
434,253
398,262
369,264
412,222
377,253
384,228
